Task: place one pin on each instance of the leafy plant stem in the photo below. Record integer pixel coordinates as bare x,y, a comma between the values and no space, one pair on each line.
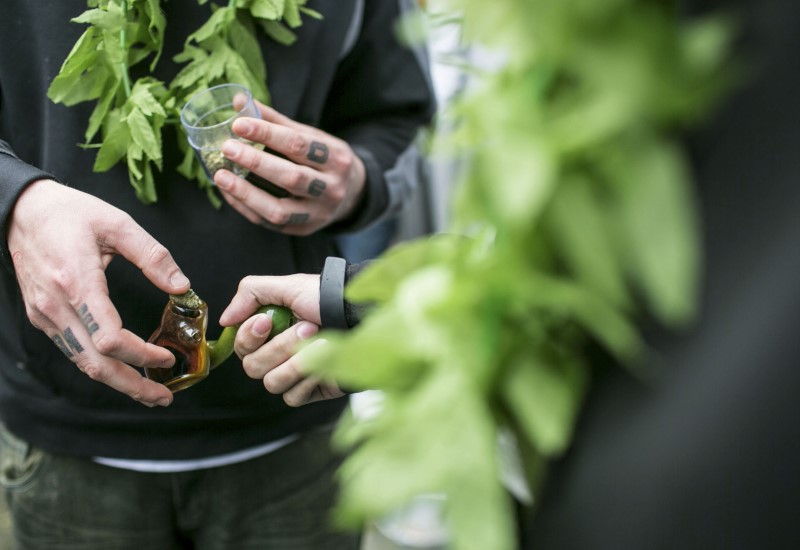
123,65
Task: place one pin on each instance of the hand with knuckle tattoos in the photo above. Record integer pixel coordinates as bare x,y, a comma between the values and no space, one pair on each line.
61,241
322,175
277,362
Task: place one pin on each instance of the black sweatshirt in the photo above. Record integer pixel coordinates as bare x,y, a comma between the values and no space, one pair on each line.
376,96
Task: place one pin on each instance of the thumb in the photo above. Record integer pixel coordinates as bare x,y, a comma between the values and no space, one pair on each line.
153,258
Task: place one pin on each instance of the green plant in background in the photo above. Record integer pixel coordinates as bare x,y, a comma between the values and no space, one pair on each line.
574,218
129,115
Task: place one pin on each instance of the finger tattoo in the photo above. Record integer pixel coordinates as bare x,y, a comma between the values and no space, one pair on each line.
316,187
297,219
69,344
59,342
72,341
318,152
294,219
87,319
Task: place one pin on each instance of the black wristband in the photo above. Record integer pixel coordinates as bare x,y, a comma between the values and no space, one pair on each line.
331,294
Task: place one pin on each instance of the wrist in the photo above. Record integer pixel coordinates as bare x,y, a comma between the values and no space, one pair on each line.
18,218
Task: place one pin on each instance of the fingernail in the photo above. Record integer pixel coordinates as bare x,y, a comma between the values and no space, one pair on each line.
223,179
306,330
262,324
163,402
178,279
231,148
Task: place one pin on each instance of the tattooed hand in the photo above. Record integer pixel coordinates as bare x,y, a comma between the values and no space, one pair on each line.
322,174
61,241
275,362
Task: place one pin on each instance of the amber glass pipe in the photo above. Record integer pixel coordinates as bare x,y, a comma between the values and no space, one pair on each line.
183,332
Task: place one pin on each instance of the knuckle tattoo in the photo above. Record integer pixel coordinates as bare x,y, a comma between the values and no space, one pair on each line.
68,343
87,319
72,341
297,218
61,345
318,152
316,188
294,218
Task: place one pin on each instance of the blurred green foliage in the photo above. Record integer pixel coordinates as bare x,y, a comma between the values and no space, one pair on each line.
575,218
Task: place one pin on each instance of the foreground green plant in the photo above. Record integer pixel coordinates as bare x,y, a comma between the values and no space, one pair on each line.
575,217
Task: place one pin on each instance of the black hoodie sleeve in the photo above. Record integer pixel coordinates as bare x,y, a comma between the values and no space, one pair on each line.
383,96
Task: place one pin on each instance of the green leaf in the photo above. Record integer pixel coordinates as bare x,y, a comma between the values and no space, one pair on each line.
110,21
583,236
116,137
69,86
291,13
156,27
545,398
243,41
89,85
146,188
216,25
193,73
267,9
379,282
563,299
237,70
279,32
311,13
658,228
144,100
220,54
101,110
143,135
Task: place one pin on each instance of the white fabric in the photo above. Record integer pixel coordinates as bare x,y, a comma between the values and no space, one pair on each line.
173,466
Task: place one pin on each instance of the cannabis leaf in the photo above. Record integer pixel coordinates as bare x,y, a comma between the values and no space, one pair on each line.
129,117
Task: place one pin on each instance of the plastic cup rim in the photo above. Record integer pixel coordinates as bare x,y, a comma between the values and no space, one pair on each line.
189,126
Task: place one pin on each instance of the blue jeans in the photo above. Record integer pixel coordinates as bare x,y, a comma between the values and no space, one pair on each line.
280,501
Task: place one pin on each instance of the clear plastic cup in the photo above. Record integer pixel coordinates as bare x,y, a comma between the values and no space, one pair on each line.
207,118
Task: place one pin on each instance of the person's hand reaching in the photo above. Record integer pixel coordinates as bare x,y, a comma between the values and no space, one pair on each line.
61,241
